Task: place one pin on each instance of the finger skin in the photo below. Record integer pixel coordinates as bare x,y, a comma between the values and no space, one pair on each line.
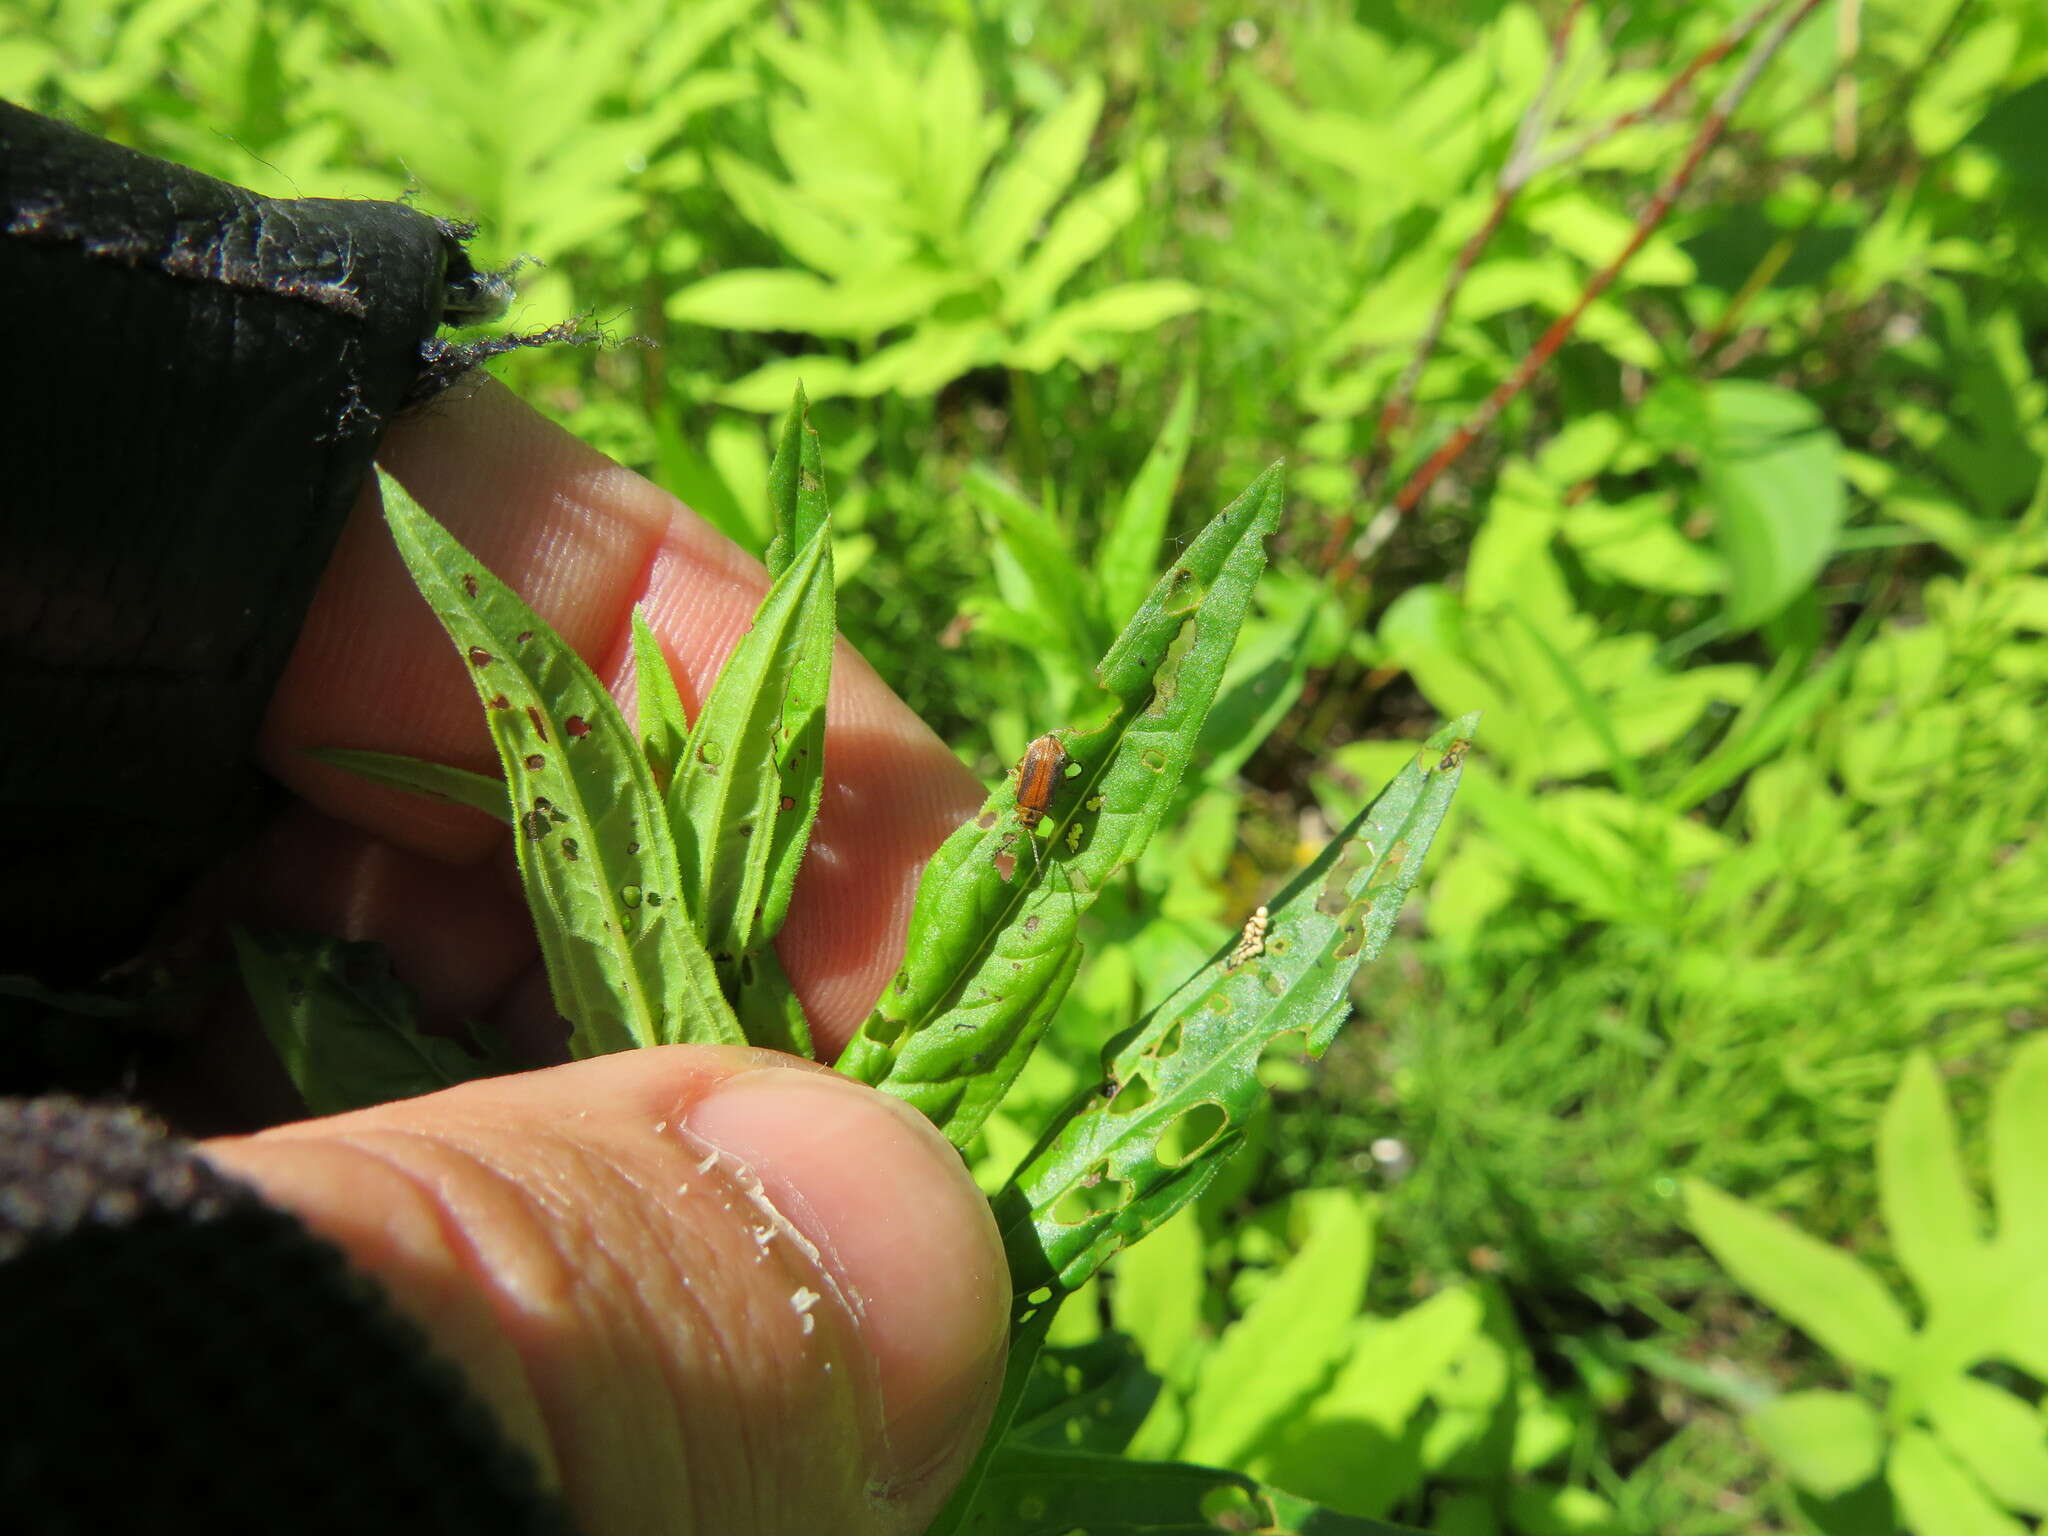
583,540
708,1289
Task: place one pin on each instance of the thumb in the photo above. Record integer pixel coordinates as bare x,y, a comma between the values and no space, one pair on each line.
707,1289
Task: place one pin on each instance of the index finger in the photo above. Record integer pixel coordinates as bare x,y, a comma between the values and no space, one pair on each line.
582,540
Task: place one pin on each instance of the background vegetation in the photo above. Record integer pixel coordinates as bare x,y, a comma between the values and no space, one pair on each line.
1751,581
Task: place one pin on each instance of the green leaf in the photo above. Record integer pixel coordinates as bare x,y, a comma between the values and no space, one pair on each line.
437,781
2019,1153
1272,1360
796,502
796,487
2013,129
595,855
759,299
1937,1497
1031,1317
1129,552
664,727
1825,1291
1355,1446
1827,1442
1773,470
1389,1371
347,1029
1541,1509
1034,178
991,945
728,796
1157,1298
1181,1087
1034,539
1030,1492
1997,1436
1935,1227
1769,719
1256,699
1076,236
1066,334
1086,1397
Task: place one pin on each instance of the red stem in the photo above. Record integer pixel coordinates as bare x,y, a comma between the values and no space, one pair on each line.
1489,409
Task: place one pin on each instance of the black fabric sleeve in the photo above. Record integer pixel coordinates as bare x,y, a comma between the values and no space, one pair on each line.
179,1356
194,381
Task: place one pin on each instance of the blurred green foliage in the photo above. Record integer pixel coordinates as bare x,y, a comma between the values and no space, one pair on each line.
1752,585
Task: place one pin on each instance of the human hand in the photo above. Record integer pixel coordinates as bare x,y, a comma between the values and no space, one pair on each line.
707,1289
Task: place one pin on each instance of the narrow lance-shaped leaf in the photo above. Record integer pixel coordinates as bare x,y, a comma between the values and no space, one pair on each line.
796,500
346,1029
595,855
991,945
796,487
437,781
1130,546
726,795
1179,1089
664,727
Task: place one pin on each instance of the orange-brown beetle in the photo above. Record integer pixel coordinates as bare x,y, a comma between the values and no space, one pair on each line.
1038,779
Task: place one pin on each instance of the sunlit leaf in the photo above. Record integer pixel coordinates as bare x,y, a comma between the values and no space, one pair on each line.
991,943
1932,1217
664,727
1129,552
1827,1442
1180,1089
727,796
1824,1290
1035,178
2001,1438
595,856
1268,1363
1937,1497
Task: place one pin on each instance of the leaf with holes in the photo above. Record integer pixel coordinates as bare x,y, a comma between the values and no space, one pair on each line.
992,941
595,855
1179,1088
347,1029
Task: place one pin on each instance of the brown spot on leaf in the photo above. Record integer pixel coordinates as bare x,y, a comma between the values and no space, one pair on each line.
479,657
575,727
540,721
535,761
501,702
469,584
